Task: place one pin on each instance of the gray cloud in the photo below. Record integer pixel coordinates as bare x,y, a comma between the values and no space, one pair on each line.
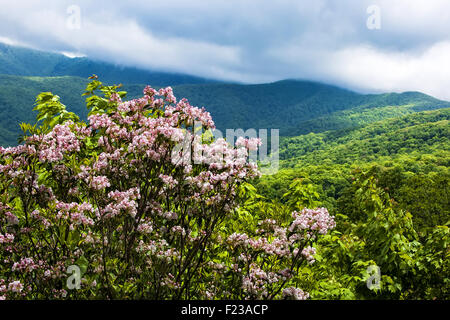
253,40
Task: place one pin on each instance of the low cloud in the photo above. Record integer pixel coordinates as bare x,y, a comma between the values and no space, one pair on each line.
251,41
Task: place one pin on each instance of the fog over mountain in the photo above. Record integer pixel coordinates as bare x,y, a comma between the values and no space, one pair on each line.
371,46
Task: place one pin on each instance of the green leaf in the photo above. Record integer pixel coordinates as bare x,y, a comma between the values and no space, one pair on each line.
83,264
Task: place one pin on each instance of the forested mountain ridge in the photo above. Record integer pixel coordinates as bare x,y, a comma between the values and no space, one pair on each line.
293,106
296,107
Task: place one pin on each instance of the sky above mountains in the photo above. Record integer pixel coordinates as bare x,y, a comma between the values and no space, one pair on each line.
373,45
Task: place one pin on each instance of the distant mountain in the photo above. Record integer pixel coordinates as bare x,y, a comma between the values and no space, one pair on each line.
29,62
294,107
299,107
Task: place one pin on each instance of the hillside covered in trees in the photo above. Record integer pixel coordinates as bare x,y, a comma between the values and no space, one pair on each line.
307,106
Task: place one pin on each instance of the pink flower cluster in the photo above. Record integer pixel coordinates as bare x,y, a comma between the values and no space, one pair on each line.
238,239
280,243
145,228
6,238
115,98
250,144
295,294
122,201
309,253
100,182
15,286
24,265
316,220
255,283
74,212
169,181
11,218
183,111
97,121
57,142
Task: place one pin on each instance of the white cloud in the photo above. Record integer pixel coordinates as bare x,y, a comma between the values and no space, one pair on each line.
366,67
73,54
125,42
254,40
14,42
8,41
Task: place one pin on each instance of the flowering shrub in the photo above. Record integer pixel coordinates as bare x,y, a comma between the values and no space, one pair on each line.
140,218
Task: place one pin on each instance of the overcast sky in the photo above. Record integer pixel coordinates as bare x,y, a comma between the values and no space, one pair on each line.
251,41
